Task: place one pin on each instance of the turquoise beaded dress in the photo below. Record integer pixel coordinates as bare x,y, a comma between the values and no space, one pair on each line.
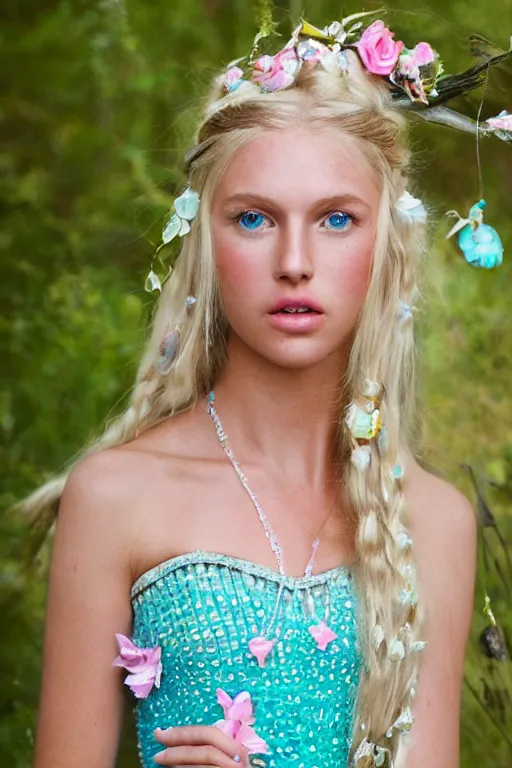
203,608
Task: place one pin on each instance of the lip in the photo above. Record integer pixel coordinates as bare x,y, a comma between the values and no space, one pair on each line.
296,322
303,323
296,304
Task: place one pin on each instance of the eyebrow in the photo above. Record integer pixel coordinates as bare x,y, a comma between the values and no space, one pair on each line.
325,202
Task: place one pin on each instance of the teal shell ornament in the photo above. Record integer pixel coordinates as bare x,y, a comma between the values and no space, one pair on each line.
479,242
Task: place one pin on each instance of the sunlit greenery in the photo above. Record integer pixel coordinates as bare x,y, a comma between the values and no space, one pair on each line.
98,105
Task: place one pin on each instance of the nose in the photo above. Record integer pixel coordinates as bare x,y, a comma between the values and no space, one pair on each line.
294,262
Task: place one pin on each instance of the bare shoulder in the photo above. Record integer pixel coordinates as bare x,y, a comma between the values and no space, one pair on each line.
444,530
438,508
115,481
130,498
109,494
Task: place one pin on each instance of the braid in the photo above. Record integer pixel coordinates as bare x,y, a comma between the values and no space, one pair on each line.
382,351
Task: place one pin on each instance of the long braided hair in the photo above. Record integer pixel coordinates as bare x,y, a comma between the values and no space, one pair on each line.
382,351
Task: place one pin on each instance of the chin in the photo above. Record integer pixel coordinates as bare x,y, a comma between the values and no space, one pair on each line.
299,354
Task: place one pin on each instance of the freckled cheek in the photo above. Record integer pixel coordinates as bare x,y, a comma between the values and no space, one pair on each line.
238,266
353,271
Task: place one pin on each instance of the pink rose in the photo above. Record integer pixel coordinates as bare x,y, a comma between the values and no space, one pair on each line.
377,49
273,73
144,664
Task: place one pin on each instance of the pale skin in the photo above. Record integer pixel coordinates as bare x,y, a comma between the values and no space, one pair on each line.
123,510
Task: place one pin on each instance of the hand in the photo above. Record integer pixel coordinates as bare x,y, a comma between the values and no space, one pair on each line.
202,746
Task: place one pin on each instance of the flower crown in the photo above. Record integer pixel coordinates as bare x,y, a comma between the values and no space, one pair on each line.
415,75
417,82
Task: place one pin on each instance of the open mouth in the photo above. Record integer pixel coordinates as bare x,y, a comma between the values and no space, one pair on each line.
295,311
296,315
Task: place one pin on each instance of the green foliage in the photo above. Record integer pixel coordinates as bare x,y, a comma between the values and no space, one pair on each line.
99,103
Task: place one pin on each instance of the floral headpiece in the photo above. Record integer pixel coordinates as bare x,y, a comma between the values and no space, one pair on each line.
417,82
415,75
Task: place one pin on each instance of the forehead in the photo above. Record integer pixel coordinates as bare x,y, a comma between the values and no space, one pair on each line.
300,165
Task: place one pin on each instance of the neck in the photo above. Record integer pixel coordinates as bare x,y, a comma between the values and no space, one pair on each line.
287,417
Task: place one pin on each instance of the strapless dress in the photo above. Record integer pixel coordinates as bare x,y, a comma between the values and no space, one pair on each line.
203,608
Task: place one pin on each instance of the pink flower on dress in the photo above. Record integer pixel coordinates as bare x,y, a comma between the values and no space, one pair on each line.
503,122
273,73
322,634
260,647
144,665
377,49
238,721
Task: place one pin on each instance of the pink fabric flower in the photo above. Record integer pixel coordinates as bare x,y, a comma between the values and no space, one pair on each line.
377,49
273,73
503,122
260,647
410,61
144,665
323,635
238,721
232,78
422,54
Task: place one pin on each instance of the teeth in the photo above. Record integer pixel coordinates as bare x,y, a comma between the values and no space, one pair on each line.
293,310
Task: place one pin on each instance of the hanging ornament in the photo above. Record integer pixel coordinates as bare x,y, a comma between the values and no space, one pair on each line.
479,242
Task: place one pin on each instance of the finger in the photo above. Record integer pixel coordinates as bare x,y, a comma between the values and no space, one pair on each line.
204,755
198,735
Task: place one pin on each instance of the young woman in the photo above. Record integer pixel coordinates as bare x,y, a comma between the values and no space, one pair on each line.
242,531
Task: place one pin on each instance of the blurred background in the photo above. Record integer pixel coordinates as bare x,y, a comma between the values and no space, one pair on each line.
99,102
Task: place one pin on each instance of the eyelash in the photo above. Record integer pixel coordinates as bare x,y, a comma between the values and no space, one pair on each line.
238,217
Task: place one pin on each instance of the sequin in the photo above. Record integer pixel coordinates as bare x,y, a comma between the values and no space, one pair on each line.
299,689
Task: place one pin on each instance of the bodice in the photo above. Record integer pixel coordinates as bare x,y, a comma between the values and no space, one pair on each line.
203,609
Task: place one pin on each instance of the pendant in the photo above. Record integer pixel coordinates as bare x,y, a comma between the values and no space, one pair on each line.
260,648
322,634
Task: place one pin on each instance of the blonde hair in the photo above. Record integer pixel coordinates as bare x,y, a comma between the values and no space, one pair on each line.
357,105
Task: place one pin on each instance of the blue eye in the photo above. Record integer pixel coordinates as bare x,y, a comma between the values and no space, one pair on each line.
251,220
338,221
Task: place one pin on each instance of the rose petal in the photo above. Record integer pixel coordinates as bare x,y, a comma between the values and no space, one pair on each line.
272,73
423,54
229,727
130,655
249,739
225,701
241,708
140,684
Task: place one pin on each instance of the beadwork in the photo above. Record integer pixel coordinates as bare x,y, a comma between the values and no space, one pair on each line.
262,644
202,608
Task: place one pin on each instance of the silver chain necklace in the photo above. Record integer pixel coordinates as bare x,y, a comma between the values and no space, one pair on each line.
269,533
260,646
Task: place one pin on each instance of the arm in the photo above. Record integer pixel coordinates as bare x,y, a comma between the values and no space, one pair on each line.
88,600
443,528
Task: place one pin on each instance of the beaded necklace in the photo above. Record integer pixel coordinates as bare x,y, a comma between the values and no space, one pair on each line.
262,644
